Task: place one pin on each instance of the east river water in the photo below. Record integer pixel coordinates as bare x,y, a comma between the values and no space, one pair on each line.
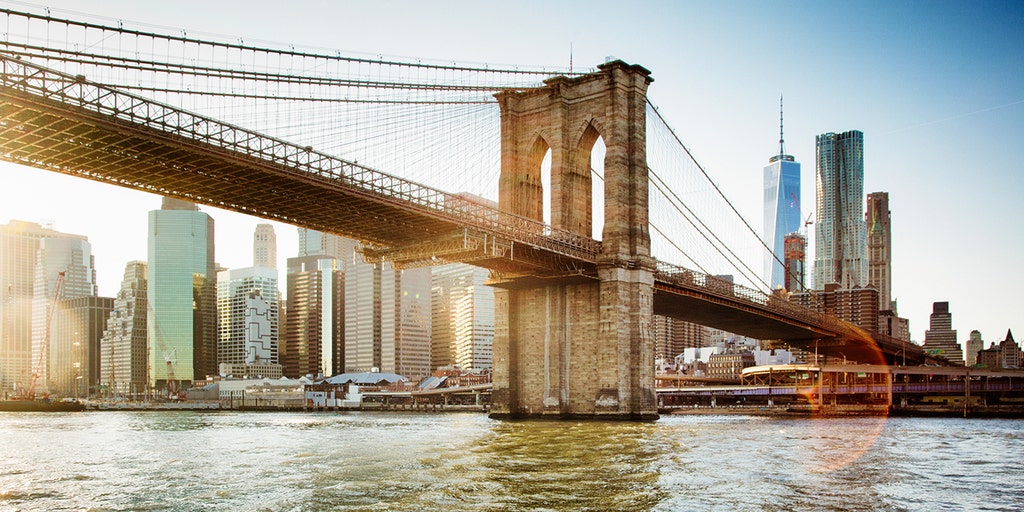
157,461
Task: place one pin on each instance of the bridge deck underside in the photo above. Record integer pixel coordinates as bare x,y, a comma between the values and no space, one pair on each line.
738,318
64,138
692,307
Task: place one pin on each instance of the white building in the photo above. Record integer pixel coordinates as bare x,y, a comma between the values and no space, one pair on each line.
264,246
247,310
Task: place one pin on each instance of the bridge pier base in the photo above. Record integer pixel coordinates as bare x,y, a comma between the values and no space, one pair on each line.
575,350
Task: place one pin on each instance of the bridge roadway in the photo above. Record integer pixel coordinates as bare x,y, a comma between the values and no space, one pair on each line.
66,124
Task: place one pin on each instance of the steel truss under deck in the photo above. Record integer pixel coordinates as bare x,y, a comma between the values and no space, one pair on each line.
67,124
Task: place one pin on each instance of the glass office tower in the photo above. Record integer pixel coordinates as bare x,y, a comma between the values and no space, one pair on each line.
781,213
182,296
781,209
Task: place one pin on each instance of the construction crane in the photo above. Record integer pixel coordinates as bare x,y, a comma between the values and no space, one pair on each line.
172,383
58,291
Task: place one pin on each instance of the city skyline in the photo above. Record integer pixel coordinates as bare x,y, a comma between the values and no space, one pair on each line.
922,124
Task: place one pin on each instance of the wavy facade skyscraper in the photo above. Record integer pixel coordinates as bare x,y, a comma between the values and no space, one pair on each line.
840,245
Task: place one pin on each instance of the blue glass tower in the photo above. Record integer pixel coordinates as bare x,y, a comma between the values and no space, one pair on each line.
182,296
781,209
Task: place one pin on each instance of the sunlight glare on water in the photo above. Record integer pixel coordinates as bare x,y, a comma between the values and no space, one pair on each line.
185,461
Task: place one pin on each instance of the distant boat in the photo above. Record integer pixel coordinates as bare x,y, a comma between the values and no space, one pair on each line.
41,405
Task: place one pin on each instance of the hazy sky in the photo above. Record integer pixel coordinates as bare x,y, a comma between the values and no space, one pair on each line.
936,87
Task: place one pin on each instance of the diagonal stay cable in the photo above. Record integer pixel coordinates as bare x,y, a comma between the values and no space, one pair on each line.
715,185
677,203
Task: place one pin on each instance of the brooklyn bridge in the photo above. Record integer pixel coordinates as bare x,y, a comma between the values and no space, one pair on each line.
590,213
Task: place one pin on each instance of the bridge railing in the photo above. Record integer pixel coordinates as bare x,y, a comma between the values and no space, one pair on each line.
137,111
694,280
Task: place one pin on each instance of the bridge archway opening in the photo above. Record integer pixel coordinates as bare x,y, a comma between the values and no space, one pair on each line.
545,183
537,183
593,143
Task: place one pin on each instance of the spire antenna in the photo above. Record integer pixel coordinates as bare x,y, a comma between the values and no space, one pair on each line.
782,140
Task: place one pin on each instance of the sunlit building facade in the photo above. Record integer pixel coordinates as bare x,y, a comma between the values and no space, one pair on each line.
182,296
840,249
387,319
313,339
462,324
972,347
124,363
264,246
879,243
75,359
19,248
64,270
405,321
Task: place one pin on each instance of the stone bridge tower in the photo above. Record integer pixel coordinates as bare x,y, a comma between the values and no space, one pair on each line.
575,348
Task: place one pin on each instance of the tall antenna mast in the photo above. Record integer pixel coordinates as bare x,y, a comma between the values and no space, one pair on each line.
782,142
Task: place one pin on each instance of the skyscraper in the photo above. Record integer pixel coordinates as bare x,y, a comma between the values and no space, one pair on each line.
72,257
940,338
247,324
182,295
840,250
462,324
313,342
879,242
314,333
858,306
796,256
781,209
673,336
315,243
387,312
75,356
405,321
123,348
387,319
974,345
264,246
19,247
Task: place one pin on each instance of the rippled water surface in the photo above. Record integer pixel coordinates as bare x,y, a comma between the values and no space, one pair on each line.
170,461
